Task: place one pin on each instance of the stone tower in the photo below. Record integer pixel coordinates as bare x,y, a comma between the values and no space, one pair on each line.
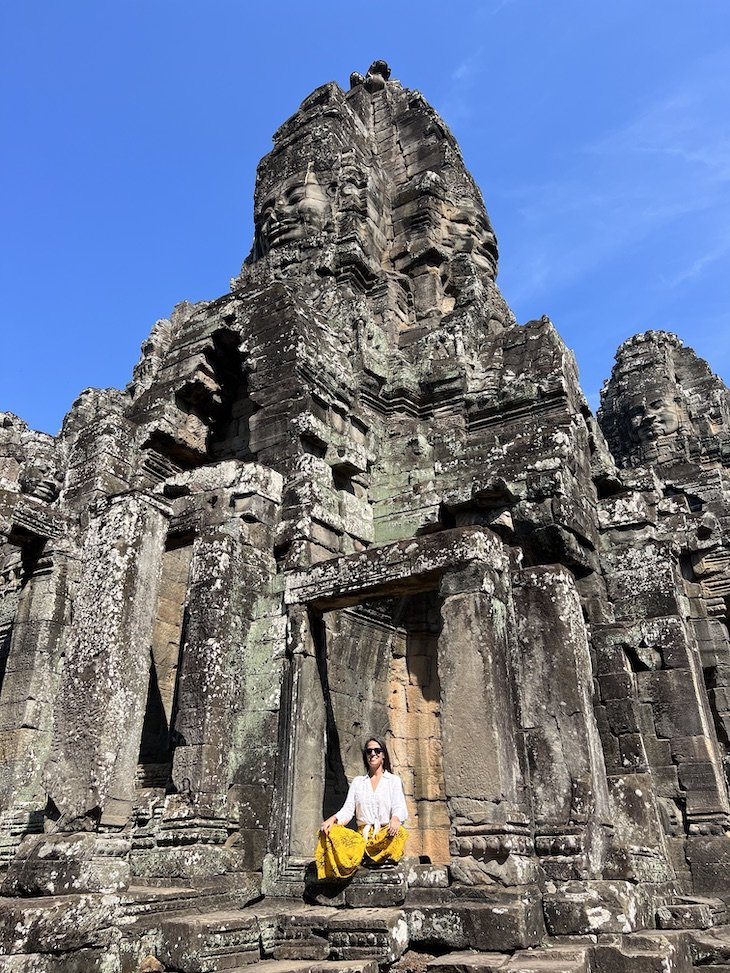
354,496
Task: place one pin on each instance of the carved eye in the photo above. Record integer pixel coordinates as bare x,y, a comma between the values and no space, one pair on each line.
267,209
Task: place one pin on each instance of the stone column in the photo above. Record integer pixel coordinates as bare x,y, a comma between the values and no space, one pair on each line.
224,720
202,726
635,762
101,704
555,689
224,677
310,746
32,675
299,792
670,711
482,773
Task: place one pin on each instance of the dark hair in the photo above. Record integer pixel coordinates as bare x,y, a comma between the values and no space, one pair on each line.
386,755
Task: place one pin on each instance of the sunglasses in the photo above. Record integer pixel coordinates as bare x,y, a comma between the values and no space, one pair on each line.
373,750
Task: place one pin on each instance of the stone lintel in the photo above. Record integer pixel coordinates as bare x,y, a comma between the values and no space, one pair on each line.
410,565
246,478
24,515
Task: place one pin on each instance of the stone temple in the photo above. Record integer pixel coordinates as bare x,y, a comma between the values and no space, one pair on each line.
354,496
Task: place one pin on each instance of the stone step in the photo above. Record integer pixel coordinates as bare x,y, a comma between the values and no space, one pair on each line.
78,961
469,961
282,931
503,923
209,943
142,901
227,892
557,960
664,952
308,966
545,960
710,947
691,912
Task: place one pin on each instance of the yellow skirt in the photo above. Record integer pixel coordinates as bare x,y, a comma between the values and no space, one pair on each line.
339,852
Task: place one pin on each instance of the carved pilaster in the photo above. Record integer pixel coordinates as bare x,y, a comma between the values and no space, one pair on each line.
570,801
32,674
101,703
484,782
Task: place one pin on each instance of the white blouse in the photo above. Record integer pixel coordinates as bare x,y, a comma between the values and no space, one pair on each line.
374,807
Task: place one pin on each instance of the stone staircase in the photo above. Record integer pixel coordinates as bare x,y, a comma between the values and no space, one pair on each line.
286,935
227,927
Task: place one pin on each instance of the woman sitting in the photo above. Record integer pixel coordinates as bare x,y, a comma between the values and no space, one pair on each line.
377,801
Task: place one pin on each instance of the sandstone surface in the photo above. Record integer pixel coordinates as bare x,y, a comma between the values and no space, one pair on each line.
354,496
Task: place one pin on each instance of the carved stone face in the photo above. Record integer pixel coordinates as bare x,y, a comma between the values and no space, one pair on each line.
40,480
297,209
652,414
469,226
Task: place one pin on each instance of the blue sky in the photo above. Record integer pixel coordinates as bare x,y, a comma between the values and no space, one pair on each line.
598,132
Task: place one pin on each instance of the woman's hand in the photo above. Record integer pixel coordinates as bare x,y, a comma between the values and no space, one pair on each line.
326,825
394,825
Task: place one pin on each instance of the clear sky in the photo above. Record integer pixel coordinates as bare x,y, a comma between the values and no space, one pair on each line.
597,130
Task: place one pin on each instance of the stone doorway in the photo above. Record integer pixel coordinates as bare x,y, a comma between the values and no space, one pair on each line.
377,672
410,639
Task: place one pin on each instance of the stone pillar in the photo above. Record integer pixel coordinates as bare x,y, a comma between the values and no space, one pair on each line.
202,727
670,712
31,680
300,778
565,758
11,580
101,704
483,777
635,764
256,734
224,722
647,585
310,745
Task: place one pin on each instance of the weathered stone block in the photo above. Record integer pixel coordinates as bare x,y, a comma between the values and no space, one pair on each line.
709,861
667,953
668,636
58,924
590,908
63,864
189,861
209,943
420,876
622,715
469,961
364,933
616,686
507,923
691,914
553,959
77,961
672,694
